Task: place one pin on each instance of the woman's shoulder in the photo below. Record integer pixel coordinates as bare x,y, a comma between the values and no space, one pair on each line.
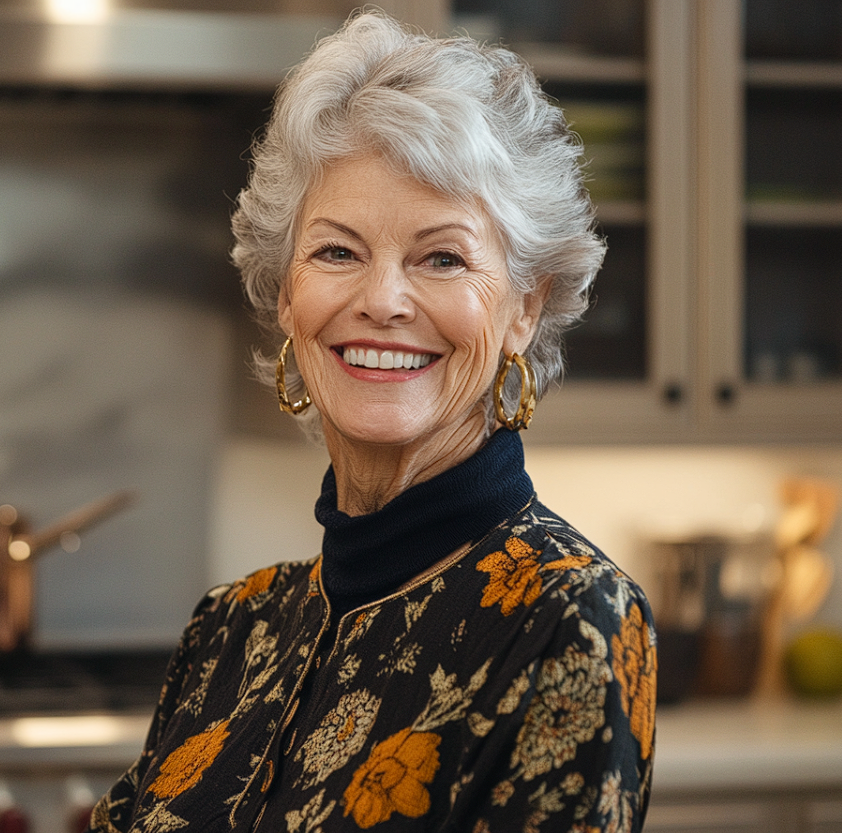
557,545
227,615
538,556
255,590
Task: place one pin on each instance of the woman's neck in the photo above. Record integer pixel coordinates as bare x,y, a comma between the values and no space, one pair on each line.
369,475
366,557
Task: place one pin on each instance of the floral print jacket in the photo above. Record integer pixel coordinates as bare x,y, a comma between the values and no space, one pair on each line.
510,689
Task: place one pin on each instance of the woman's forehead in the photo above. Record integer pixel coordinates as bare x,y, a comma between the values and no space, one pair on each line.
369,190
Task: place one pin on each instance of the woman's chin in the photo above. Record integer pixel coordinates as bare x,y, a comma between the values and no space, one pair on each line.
391,425
383,428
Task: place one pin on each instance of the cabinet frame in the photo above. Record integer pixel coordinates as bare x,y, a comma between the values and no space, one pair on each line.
661,407
754,411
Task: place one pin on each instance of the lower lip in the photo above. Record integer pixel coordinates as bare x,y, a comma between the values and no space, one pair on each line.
370,374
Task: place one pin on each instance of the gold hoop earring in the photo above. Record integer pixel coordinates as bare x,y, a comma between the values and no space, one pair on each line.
526,407
288,407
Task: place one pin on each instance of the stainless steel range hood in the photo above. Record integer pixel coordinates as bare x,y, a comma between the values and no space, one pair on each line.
124,136
96,44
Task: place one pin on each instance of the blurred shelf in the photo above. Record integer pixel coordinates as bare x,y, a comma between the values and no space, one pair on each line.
794,74
826,213
621,213
555,63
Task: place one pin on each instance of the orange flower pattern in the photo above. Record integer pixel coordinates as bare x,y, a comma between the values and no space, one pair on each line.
513,689
513,576
635,667
393,779
516,575
257,583
184,767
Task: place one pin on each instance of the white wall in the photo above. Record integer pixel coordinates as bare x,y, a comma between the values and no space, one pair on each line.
263,508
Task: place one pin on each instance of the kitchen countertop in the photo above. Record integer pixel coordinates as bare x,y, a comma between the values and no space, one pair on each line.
704,745
748,744
77,740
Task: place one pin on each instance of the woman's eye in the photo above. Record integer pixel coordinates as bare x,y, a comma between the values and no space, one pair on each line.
335,253
445,260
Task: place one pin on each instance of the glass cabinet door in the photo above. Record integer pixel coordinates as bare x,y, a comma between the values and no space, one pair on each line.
617,69
793,177
774,327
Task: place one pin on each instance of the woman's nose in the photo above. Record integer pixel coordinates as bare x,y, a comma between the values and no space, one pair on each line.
384,295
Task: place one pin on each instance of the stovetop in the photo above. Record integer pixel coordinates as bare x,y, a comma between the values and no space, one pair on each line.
34,683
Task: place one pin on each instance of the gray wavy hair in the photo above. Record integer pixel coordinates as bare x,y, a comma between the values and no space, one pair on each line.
467,119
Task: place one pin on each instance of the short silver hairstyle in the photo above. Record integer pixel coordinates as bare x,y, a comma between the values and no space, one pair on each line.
471,121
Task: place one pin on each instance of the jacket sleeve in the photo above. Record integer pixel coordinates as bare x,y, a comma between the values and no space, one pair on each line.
113,813
576,730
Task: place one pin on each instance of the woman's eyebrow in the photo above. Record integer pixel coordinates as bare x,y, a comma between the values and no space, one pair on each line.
338,226
445,227
421,235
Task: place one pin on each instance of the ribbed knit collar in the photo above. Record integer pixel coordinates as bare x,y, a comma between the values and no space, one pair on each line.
366,557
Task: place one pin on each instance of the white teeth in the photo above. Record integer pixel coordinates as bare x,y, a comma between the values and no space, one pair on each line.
386,360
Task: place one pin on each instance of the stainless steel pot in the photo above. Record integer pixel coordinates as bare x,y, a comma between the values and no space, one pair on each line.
709,597
18,549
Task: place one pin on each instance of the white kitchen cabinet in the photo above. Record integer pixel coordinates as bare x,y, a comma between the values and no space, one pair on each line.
718,316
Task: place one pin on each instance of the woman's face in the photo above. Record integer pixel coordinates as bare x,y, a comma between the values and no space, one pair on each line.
399,303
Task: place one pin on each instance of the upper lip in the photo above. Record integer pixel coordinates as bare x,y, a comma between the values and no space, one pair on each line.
384,345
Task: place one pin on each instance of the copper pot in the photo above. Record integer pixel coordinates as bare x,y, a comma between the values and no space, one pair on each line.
18,549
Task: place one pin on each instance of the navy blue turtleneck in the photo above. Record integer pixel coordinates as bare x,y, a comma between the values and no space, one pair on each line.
367,557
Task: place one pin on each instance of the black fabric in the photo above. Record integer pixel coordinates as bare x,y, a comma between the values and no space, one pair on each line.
366,557
514,690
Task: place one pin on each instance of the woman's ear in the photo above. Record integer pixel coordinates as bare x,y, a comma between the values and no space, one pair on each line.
525,321
284,311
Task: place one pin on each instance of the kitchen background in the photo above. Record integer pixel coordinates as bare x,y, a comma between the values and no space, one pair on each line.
708,371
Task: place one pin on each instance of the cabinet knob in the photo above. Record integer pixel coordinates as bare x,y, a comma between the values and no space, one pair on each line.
726,394
673,393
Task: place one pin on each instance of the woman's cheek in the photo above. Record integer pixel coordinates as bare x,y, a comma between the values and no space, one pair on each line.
311,361
474,364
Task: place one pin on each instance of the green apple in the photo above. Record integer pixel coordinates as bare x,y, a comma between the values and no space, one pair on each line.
813,663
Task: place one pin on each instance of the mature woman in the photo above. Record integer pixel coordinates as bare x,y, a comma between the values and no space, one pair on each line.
458,657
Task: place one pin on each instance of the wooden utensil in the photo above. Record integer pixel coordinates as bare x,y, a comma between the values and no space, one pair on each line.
804,573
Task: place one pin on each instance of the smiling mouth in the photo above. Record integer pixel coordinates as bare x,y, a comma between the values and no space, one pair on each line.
385,359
